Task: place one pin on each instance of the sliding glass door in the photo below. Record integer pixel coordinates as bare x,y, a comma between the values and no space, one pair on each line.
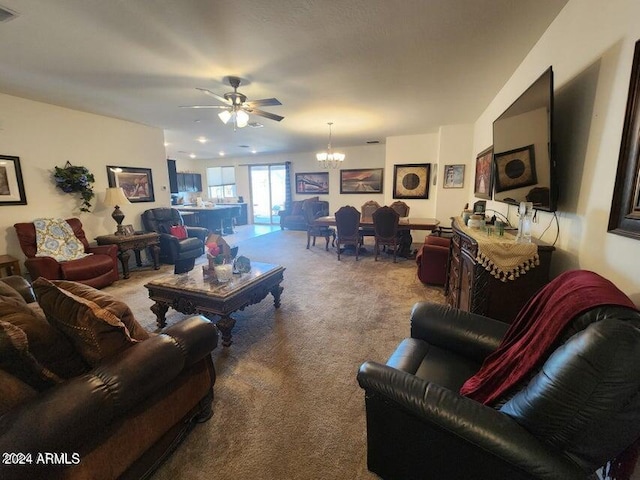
268,192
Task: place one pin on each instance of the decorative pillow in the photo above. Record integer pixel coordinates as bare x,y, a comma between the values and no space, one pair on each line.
55,238
108,302
16,359
296,207
179,231
13,392
7,291
47,345
95,332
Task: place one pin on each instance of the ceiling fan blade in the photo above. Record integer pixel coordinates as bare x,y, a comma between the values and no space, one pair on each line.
204,106
264,102
214,95
262,113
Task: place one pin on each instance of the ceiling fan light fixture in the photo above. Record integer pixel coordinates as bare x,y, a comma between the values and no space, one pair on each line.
242,118
330,159
225,116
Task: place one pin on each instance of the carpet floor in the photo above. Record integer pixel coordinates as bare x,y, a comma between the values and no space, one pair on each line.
287,404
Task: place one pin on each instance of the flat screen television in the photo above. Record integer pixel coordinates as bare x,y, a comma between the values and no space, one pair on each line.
523,163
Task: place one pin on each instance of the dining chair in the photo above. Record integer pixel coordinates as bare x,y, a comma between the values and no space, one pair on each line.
385,226
311,212
401,208
348,226
367,210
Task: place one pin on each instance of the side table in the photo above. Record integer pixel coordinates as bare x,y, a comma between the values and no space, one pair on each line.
136,243
10,265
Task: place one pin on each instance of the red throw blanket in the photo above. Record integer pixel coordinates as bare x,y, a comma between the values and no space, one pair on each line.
538,324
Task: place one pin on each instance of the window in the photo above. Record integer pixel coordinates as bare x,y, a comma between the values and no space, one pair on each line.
221,182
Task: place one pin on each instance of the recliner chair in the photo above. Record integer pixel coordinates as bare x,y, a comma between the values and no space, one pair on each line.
97,270
578,410
180,252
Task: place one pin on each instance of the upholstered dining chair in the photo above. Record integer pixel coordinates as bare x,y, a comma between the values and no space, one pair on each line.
401,208
313,210
367,210
348,226
385,227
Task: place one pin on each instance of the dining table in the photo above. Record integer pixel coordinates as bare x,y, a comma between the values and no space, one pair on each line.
405,225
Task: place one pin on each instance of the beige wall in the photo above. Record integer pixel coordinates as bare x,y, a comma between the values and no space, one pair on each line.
590,46
44,136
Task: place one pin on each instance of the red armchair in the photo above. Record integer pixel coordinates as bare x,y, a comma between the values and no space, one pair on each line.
432,260
97,270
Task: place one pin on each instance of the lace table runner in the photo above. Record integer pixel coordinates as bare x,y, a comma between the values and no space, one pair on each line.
501,255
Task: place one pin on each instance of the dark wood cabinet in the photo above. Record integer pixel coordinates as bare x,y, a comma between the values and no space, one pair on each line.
189,182
470,287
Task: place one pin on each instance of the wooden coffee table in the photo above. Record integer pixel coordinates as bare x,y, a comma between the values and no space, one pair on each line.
192,293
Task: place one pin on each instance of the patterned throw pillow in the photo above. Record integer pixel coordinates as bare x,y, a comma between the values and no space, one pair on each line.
95,332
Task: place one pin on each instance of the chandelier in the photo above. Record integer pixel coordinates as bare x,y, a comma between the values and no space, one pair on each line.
330,159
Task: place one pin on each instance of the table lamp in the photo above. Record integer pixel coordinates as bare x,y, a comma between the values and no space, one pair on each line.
114,197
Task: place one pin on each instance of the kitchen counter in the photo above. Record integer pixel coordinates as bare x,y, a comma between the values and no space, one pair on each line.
216,218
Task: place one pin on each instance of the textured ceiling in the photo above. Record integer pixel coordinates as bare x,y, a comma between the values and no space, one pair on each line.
376,68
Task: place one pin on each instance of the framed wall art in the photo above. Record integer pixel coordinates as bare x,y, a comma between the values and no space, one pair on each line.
453,176
624,218
483,184
515,168
316,183
11,184
411,180
361,180
136,183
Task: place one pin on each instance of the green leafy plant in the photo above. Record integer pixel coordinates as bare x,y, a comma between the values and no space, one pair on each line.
72,179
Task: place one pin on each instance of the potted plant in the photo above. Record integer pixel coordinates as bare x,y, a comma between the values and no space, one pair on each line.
72,179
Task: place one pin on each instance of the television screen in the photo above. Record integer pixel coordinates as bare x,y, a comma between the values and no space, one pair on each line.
523,165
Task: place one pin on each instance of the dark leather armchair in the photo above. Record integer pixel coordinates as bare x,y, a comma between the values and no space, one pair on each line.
180,252
580,410
97,270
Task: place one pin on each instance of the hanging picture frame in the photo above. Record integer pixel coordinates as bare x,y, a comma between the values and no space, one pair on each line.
624,218
411,180
11,183
312,183
453,176
136,183
483,183
361,180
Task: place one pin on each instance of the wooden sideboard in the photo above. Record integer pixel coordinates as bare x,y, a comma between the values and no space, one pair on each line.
470,287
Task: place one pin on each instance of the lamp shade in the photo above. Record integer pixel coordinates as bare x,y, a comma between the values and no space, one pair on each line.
114,196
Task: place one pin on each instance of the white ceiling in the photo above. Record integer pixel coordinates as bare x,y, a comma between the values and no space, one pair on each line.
376,68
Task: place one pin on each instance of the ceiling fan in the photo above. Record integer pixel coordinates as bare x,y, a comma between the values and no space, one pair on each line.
236,108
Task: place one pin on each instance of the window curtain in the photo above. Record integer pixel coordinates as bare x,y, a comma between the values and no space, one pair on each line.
287,183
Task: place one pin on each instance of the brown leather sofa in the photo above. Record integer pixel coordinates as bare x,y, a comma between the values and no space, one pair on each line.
98,270
119,419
